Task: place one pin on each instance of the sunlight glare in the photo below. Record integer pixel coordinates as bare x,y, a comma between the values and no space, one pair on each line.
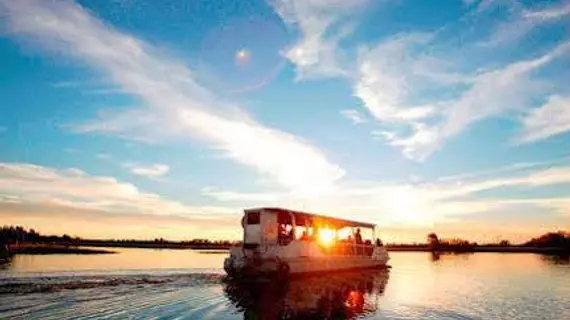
326,237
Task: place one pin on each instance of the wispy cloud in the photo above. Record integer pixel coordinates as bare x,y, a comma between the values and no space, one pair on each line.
152,171
354,115
231,196
316,53
507,88
520,166
71,150
73,188
88,87
521,21
550,119
103,156
389,79
177,105
382,84
549,13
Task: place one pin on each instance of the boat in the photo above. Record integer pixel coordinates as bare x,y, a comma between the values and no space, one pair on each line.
283,243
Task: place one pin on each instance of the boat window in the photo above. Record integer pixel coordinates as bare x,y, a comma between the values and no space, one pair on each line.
253,218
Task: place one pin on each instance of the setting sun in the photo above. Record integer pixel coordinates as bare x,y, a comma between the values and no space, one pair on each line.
326,237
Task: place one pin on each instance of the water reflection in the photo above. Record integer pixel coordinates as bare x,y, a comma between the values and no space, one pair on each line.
345,295
438,255
556,259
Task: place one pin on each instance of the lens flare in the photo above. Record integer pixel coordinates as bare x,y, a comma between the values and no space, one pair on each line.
242,56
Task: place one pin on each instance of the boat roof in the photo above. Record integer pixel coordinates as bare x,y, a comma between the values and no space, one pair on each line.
301,218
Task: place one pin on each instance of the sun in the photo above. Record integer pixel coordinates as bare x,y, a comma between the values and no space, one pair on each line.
326,237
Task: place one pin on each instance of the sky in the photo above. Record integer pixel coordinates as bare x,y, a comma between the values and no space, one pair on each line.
144,119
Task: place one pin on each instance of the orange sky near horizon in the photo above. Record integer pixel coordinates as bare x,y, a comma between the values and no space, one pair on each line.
143,228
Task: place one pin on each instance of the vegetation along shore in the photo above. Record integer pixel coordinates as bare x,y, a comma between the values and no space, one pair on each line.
23,241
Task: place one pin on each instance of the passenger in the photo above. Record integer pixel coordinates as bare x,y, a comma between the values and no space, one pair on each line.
358,236
378,242
282,237
304,236
368,248
358,240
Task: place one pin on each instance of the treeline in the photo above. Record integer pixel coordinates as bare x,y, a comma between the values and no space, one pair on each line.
559,240
14,234
19,234
551,239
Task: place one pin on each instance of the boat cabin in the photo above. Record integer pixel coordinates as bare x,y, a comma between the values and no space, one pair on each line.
267,227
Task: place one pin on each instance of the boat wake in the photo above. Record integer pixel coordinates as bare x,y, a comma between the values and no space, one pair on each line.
56,284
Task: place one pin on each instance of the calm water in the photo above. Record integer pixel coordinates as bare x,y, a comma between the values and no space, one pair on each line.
184,284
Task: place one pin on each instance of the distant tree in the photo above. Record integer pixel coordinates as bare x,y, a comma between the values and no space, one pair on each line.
552,239
433,241
504,243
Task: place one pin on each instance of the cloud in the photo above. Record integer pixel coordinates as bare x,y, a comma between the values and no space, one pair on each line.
177,105
153,171
353,115
551,13
73,188
493,92
421,204
504,169
60,219
233,196
392,74
521,21
37,194
316,53
417,96
385,76
550,119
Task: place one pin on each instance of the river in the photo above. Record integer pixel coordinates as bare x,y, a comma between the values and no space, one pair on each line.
186,284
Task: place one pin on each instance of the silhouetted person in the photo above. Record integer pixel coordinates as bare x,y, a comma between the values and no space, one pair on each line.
358,237
378,242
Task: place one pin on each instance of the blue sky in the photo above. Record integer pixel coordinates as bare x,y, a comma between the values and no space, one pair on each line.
167,118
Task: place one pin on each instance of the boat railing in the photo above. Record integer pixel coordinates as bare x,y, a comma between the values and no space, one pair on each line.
349,249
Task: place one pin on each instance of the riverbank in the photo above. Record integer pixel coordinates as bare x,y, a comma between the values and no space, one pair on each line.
80,248
152,245
495,249
29,248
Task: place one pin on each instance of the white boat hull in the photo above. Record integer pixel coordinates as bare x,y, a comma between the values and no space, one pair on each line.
244,266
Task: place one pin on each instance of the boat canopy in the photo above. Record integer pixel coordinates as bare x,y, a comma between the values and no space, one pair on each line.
310,219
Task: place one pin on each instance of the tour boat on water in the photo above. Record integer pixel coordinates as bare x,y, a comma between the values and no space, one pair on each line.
283,243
